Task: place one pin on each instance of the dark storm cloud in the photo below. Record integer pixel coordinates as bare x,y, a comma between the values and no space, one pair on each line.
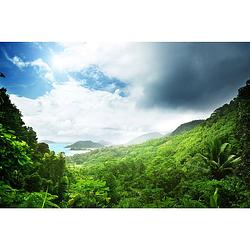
196,75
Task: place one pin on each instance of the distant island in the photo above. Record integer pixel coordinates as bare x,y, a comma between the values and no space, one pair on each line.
84,145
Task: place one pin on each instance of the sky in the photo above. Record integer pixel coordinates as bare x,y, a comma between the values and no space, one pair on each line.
117,91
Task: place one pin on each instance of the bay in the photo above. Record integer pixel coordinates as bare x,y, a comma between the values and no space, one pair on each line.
60,147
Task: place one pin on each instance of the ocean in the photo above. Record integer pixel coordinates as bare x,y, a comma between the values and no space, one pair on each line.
60,147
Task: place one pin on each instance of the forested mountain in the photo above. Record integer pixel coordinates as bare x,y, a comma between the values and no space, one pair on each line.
207,166
144,138
84,145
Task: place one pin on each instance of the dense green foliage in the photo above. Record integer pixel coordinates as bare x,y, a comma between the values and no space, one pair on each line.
207,166
29,172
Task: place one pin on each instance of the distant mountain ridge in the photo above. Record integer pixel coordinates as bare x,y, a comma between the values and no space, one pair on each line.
84,145
47,141
144,138
186,127
105,143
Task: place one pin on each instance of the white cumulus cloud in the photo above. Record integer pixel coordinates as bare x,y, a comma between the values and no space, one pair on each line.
130,62
71,112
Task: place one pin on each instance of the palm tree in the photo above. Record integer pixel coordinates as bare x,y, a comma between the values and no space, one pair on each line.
219,159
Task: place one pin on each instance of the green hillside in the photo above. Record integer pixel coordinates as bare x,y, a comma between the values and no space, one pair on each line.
186,127
207,166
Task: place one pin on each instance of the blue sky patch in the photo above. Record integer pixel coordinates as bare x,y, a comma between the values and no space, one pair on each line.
93,78
18,61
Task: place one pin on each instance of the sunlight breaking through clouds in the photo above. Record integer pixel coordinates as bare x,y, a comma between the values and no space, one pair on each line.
130,88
